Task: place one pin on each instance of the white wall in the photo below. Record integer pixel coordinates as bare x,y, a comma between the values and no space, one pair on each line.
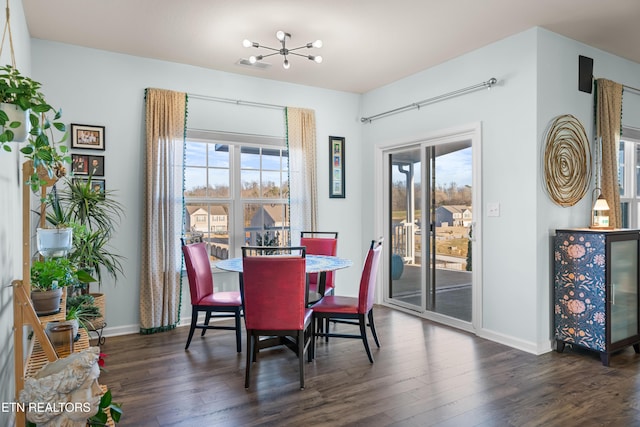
11,214
102,88
558,94
537,72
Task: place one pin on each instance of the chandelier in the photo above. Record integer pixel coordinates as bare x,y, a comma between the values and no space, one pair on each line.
283,50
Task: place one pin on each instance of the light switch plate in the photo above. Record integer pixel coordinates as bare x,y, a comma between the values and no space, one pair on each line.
493,209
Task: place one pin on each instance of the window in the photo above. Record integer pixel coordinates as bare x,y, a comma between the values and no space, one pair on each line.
629,178
236,194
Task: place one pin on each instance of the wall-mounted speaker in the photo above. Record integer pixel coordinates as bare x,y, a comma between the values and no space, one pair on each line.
585,74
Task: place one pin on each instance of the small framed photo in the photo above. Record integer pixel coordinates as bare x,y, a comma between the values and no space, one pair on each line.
97,185
80,164
96,165
87,137
336,167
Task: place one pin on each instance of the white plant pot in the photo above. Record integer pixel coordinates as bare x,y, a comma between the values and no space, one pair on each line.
54,242
17,114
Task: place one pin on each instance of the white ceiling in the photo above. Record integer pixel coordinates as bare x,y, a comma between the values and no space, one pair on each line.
367,43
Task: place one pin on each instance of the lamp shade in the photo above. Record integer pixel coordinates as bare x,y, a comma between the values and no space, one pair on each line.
601,204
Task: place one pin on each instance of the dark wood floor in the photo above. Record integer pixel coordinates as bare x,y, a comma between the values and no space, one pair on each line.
425,374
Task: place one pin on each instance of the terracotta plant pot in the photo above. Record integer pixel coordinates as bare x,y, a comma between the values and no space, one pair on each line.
46,302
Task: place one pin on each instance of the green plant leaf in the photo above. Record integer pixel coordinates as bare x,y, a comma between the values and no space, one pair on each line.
116,412
85,277
35,123
6,147
105,400
41,108
28,150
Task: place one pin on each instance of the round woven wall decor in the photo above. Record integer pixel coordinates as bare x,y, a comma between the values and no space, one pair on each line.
567,161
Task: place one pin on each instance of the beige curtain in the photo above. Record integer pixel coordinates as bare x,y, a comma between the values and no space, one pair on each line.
162,225
608,123
303,185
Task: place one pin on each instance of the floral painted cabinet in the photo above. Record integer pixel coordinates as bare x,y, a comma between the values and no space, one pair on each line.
596,290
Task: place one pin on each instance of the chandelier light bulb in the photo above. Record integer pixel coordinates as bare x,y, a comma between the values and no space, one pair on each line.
246,43
252,59
318,59
286,64
317,43
280,35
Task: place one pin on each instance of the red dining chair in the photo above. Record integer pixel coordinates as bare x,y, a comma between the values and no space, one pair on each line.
352,310
274,290
203,297
320,243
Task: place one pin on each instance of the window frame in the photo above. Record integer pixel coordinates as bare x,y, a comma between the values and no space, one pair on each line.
234,200
629,185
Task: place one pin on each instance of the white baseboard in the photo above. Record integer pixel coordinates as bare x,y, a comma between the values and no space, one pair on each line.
527,346
114,331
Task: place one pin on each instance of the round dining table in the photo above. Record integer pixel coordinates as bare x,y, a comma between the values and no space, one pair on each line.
314,264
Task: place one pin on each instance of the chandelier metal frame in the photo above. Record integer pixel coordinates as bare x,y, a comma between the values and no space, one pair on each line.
283,50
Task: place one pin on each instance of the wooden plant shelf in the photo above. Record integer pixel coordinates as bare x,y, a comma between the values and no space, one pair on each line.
40,351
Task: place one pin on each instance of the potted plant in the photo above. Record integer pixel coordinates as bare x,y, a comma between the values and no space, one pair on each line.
18,94
48,277
54,242
25,113
82,309
93,215
80,313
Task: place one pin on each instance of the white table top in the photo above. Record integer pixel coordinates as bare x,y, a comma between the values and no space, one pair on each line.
314,263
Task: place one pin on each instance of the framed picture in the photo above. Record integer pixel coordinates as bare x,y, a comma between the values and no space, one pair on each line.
87,137
80,164
96,184
96,165
83,164
336,167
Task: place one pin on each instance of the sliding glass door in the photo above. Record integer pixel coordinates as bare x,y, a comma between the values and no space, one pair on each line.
430,218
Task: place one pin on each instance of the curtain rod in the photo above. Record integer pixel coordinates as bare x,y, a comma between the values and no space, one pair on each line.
418,104
236,101
632,89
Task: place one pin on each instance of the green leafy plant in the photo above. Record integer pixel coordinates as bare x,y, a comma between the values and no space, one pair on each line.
44,119
52,273
82,309
90,251
106,404
93,215
97,210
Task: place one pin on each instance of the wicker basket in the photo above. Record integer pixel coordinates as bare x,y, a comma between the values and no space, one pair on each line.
99,301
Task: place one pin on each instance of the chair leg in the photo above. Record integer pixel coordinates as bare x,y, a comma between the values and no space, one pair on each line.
206,323
363,334
311,352
194,320
247,370
373,328
325,320
239,333
301,356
